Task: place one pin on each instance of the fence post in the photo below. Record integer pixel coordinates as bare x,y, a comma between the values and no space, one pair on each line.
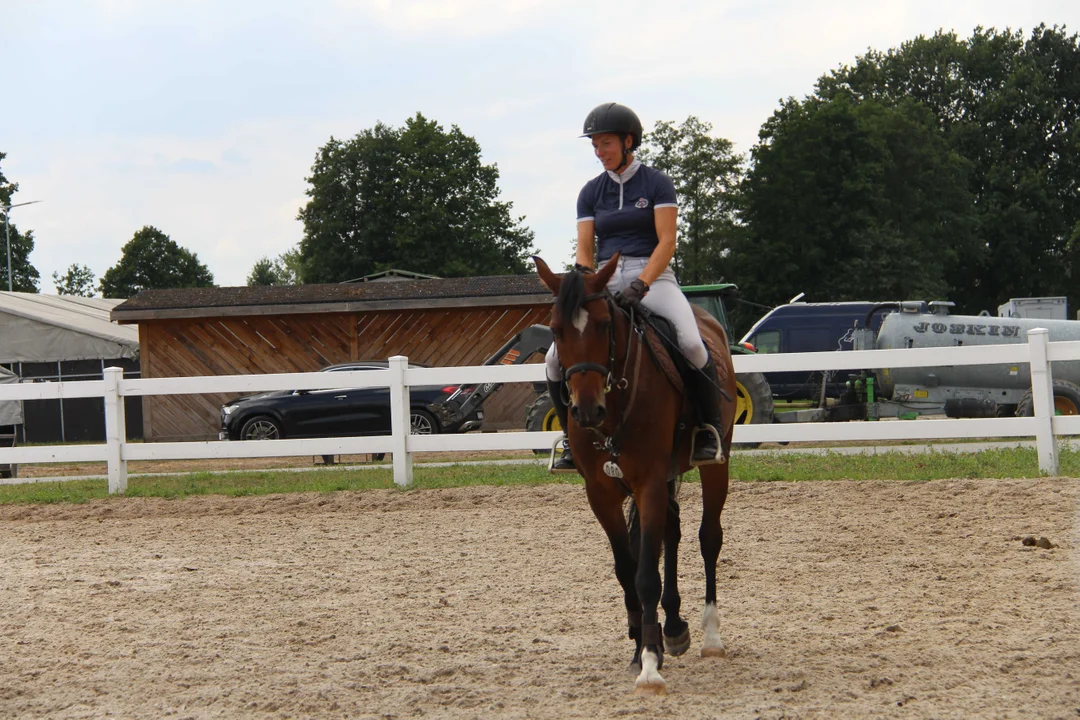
115,431
400,421
1042,396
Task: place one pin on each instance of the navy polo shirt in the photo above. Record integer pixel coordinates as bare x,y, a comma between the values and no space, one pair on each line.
622,208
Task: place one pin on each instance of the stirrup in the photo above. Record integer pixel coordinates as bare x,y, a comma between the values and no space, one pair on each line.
719,458
556,446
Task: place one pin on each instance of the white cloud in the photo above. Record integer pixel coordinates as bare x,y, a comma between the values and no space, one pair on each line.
460,18
212,139
230,213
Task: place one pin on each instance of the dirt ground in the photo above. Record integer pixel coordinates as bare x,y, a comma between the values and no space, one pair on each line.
838,600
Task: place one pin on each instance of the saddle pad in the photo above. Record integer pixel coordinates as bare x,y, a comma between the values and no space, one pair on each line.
665,353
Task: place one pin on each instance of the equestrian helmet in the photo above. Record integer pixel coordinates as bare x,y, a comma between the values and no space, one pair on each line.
613,118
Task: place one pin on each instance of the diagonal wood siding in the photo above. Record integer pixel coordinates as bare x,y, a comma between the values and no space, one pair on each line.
303,343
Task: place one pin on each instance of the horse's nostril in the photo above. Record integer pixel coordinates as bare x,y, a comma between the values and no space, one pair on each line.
600,413
574,411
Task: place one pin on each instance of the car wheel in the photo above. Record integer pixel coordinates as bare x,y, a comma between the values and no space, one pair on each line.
261,427
423,423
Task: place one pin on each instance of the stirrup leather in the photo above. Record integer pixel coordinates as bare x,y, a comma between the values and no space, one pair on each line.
717,459
555,447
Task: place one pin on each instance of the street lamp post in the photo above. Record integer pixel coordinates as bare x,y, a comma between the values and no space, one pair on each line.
7,235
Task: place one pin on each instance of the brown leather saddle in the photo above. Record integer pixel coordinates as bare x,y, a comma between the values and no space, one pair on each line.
661,340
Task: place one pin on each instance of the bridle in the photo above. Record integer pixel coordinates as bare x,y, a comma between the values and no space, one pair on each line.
610,443
606,371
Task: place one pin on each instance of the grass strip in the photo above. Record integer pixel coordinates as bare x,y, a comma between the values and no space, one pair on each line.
996,463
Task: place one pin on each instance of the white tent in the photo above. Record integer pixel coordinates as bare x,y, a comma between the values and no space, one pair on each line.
11,412
55,328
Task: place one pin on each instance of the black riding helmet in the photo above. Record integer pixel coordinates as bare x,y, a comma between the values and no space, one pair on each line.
613,118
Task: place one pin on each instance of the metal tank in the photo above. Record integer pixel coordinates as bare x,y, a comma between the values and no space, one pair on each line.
1003,384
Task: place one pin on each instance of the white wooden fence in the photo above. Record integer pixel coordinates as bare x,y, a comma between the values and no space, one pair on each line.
117,452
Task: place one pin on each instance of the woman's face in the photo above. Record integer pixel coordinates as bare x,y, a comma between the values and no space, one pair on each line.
608,150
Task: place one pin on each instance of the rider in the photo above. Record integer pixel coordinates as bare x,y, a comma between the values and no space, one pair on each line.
632,208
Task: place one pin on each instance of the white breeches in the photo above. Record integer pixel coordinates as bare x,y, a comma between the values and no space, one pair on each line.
664,298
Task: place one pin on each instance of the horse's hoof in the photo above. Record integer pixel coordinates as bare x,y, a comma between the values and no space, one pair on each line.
635,667
651,688
650,682
676,646
714,651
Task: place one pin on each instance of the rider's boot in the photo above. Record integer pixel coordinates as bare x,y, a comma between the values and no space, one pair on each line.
704,388
565,462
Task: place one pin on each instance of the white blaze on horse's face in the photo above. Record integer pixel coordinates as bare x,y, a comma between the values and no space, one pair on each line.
581,320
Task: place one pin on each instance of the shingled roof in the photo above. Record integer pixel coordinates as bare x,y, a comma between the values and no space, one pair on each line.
292,299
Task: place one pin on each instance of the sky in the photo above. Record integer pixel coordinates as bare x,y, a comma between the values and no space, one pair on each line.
203,117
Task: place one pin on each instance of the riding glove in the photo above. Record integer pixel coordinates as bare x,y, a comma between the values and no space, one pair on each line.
633,293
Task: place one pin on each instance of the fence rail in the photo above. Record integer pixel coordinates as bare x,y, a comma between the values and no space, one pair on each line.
399,377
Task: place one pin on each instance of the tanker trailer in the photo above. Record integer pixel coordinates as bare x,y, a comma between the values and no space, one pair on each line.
956,391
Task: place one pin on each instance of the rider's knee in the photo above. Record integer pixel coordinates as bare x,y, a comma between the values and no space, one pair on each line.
554,367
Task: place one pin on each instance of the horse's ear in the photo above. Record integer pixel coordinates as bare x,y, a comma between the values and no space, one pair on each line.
605,273
550,279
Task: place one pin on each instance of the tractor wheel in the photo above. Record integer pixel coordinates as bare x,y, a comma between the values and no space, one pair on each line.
1066,400
541,417
753,401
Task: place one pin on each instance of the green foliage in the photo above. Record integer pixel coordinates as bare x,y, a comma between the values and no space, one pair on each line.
263,272
152,260
416,198
706,172
851,200
1010,107
282,270
78,280
24,276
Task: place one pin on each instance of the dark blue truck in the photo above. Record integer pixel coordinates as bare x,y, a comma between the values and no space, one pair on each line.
810,327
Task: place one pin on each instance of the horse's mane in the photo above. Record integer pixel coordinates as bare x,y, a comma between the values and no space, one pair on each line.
571,296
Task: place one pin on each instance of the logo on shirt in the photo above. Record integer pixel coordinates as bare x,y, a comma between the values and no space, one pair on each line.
642,203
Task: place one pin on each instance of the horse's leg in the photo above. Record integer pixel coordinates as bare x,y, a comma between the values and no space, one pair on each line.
652,503
676,629
714,488
606,503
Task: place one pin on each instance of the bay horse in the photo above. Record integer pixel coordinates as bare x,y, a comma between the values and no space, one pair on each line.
630,429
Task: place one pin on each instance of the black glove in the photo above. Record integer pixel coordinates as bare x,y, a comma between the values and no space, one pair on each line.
632,294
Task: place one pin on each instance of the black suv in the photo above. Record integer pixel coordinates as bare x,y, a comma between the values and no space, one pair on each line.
342,411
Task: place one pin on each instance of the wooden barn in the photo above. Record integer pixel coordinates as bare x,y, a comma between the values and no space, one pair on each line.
302,328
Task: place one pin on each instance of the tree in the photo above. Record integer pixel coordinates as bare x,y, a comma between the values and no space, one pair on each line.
1010,107
152,260
282,270
78,280
851,199
706,172
417,198
24,276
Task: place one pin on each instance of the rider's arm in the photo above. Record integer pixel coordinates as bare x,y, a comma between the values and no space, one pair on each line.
666,219
586,243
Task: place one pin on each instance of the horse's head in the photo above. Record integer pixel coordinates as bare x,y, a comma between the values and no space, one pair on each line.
581,322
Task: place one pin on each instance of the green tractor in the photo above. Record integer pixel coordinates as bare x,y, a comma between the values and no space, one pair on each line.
754,401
